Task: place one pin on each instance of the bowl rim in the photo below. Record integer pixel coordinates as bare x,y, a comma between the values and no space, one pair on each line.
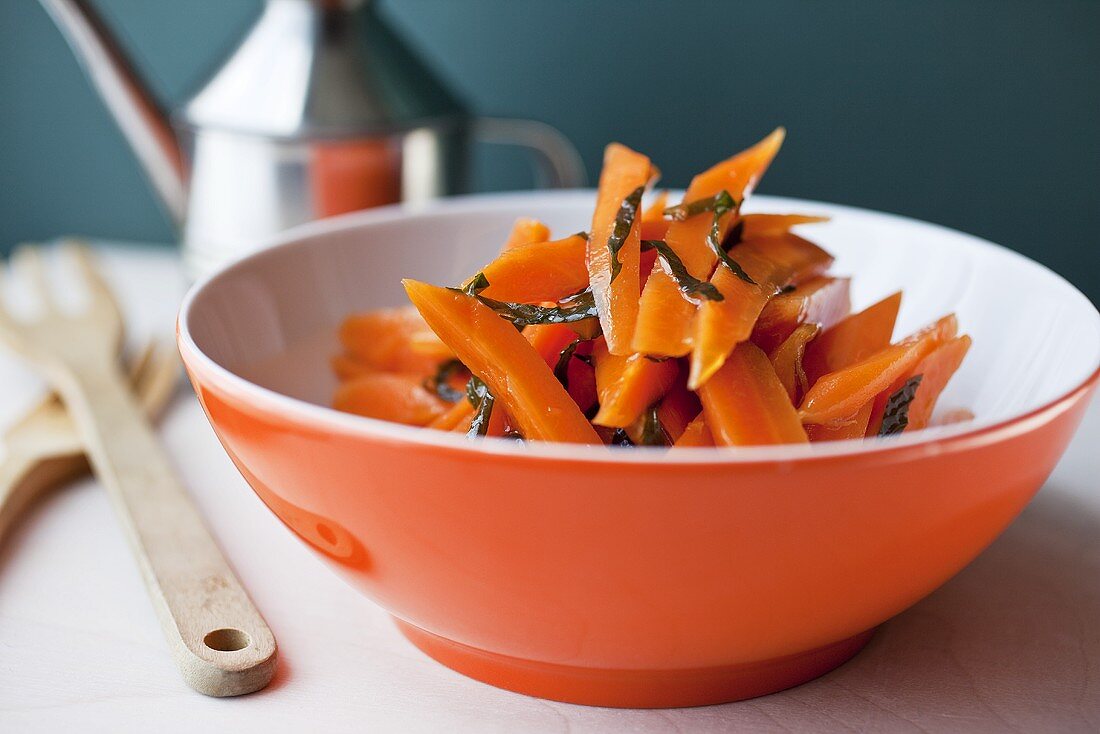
934,440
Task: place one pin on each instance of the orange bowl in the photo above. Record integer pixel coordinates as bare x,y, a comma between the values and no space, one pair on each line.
638,577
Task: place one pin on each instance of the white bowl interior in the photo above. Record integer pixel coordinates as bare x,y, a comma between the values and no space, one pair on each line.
272,318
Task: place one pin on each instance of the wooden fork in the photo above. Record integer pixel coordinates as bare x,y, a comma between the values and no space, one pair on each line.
43,449
220,642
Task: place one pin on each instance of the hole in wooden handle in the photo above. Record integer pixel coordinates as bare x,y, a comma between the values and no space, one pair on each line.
227,640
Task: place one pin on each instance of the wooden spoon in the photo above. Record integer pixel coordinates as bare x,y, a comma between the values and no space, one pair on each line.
43,449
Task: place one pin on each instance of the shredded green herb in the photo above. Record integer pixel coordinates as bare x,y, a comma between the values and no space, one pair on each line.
720,204
477,392
561,369
688,284
569,310
653,433
724,203
477,284
896,416
624,220
438,383
736,233
689,209
620,438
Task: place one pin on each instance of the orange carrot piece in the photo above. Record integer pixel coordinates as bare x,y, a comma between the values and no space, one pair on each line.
853,339
838,396
654,224
500,356
498,421
774,263
675,411
664,316
855,428
936,370
454,416
538,271
955,415
767,225
787,361
628,385
347,367
746,405
696,434
526,231
822,301
549,340
382,340
616,278
389,397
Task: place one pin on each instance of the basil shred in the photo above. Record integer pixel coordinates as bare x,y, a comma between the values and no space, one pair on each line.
477,392
896,416
438,384
477,284
568,311
561,369
653,433
624,220
688,284
620,438
577,307
720,204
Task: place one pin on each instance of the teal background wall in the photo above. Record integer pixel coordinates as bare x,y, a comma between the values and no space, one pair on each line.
981,115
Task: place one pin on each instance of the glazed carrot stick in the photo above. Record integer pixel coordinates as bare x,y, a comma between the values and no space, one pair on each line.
746,405
538,271
614,247
381,340
505,361
525,231
389,397
347,367
675,411
855,338
696,434
764,225
822,301
454,416
498,422
838,396
935,371
787,360
548,340
654,224
628,385
854,428
774,263
955,415
664,316
426,343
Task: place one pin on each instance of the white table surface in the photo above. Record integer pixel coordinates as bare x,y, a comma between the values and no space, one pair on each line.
1012,643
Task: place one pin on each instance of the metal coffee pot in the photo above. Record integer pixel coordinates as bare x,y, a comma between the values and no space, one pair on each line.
320,110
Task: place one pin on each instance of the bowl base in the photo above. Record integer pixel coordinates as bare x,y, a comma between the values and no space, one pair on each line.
635,688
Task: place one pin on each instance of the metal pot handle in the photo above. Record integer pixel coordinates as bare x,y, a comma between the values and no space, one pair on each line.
558,165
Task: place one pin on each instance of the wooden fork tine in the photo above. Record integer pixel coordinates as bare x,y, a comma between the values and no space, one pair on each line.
80,255
139,365
27,263
156,380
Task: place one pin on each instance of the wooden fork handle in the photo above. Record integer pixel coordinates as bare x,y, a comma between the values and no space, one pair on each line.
220,642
